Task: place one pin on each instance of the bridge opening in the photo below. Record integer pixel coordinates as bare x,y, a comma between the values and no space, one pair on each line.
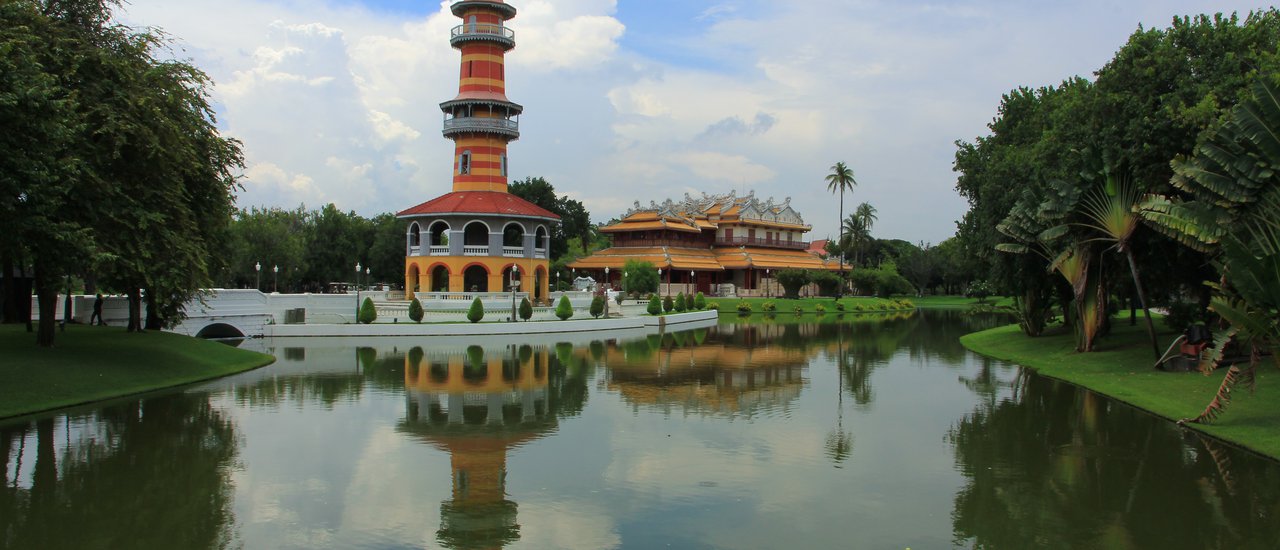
217,331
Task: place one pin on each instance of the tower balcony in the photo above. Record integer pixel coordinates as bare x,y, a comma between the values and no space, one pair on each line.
484,32
481,125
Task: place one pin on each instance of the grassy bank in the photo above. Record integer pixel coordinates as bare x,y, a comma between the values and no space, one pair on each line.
94,363
808,305
1122,369
957,301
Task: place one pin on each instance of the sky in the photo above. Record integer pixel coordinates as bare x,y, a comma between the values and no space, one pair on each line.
639,100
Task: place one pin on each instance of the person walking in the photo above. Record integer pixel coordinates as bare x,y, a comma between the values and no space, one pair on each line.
97,311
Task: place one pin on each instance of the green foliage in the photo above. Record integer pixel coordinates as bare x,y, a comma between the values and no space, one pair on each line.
597,306
368,313
699,302
839,306
655,305
820,308
792,280
564,309
713,306
980,290
768,305
526,309
744,307
828,282
680,305
475,358
1182,314
575,220
476,312
668,304
415,310
640,277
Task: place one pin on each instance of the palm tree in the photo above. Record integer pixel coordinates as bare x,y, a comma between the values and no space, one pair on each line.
866,216
840,179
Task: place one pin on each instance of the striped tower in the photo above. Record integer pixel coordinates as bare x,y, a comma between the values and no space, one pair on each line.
479,240
481,120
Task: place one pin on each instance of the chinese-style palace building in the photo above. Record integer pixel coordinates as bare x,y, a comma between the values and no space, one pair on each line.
708,241
473,238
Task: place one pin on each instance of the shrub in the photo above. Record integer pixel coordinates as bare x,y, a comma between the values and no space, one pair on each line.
828,282
744,308
799,311
526,309
597,307
617,298
839,306
820,308
475,357
368,313
699,302
640,276
792,280
768,306
979,289
667,304
713,306
680,303
415,311
655,305
564,309
1184,314
476,312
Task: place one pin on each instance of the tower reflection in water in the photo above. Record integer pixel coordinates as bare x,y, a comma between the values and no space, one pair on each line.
476,404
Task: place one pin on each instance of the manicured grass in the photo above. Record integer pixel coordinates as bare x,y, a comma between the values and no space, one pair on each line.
957,301
90,364
1122,368
808,305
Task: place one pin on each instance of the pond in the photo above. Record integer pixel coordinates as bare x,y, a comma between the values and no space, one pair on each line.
813,432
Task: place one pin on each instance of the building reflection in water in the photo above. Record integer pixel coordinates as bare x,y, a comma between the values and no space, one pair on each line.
476,404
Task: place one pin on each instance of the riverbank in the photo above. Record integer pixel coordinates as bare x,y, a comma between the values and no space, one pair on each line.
1121,368
810,305
90,364
604,324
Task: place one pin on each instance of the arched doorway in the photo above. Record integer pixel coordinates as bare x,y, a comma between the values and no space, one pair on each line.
438,234
414,279
539,285
440,279
506,278
475,279
475,234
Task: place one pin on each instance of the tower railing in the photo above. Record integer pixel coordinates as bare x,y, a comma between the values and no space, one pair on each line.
482,31
481,124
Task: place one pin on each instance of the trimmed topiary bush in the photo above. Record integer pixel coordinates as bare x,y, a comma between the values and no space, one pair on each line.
699,302
476,312
655,305
799,311
667,304
368,313
681,304
526,309
564,309
839,306
713,307
415,311
820,308
768,306
744,308
597,307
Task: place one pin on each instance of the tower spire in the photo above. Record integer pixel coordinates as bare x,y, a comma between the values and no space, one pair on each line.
481,121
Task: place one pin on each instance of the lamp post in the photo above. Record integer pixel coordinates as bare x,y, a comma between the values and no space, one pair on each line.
692,286
515,270
366,276
275,278
257,275
606,292
768,283
358,292
659,281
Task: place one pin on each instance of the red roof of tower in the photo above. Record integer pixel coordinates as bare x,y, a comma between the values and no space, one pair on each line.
479,202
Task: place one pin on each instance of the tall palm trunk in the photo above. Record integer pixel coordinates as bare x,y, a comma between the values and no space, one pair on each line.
1142,297
840,224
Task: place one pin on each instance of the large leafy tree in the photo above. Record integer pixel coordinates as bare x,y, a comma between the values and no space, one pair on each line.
575,220
139,185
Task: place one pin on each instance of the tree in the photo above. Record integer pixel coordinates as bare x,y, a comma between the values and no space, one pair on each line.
700,302
1110,210
526,309
792,280
655,305
680,304
368,313
476,312
865,217
415,310
597,306
575,220
641,277
919,266
564,309
841,179
668,304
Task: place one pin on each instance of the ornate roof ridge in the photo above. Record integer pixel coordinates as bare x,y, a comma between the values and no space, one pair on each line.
689,207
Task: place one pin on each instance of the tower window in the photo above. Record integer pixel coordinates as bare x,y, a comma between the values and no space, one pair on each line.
464,163
504,165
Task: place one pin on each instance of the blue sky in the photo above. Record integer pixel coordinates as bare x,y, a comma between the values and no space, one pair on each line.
638,100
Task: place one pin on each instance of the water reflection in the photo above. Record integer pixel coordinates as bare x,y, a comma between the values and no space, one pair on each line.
147,474
1052,466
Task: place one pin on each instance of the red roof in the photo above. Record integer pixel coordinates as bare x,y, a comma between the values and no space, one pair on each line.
479,202
818,247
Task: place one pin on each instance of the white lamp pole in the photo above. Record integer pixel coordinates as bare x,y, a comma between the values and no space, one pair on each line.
606,292
358,268
515,270
275,278
257,275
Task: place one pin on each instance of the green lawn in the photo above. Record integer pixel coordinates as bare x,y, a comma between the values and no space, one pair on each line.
957,301
808,305
94,363
1122,369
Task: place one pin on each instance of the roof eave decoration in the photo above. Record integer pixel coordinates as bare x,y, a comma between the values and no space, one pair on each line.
749,208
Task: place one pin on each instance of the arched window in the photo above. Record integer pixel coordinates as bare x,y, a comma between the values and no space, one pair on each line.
415,235
439,234
513,235
475,234
464,162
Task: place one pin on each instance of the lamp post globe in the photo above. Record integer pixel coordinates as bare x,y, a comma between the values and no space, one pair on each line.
358,267
275,278
257,275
